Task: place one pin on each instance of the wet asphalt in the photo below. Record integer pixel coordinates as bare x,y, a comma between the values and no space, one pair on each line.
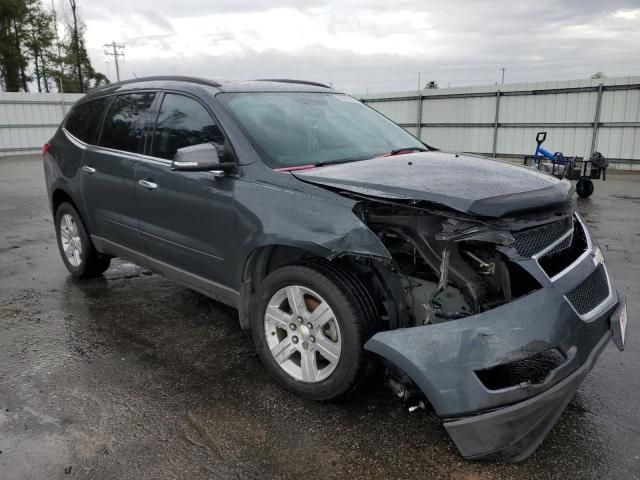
131,376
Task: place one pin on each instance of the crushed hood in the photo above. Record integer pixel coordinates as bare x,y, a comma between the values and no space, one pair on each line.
469,184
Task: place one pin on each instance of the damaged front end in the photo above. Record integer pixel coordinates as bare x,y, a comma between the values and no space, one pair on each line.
495,320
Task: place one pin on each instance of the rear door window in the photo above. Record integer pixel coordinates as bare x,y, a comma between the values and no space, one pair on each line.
183,122
124,124
85,119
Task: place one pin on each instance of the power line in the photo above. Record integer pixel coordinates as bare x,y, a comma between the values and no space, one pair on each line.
117,51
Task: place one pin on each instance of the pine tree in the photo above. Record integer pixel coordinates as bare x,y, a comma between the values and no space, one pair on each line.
29,51
40,41
13,63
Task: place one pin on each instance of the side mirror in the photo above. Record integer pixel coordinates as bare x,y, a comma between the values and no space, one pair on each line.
199,158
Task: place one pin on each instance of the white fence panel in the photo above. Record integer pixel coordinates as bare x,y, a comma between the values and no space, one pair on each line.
458,110
473,139
28,120
580,117
551,108
460,119
400,112
619,142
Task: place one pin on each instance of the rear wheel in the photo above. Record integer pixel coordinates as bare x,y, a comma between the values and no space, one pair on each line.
309,324
77,251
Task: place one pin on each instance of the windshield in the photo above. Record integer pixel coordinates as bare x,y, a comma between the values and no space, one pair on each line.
292,129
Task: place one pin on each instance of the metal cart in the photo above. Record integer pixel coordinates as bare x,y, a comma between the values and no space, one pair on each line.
581,169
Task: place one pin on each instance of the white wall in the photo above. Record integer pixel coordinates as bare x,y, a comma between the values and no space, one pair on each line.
28,120
455,119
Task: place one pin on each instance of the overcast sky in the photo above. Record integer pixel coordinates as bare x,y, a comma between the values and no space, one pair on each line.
374,45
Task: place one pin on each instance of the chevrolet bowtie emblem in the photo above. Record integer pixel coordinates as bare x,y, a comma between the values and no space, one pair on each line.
598,257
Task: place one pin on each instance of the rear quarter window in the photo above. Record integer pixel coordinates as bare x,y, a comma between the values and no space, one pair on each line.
85,119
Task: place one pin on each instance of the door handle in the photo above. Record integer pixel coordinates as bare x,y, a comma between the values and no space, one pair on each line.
148,184
89,169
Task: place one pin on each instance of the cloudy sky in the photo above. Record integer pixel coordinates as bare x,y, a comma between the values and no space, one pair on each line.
372,45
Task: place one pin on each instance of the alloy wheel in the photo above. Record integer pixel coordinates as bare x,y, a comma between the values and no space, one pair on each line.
70,239
303,334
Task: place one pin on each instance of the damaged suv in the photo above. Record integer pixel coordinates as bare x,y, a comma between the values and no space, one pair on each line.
343,240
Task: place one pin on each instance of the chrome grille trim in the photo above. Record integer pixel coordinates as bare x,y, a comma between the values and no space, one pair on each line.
602,306
590,292
566,236
537,241
585,254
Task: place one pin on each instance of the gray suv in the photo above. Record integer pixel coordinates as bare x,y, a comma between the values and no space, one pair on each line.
344,242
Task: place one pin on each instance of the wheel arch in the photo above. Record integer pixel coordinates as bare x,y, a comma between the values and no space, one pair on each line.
267,258
59,196
259,263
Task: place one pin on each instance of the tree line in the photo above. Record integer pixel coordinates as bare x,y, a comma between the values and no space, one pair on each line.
34,55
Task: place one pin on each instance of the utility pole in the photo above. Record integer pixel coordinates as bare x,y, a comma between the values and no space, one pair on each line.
117,51
503,69
55,27
77,44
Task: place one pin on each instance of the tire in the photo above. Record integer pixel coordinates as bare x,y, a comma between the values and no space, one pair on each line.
584,187
76,249
341,330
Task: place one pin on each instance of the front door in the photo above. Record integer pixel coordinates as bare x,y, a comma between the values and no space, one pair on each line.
185,218
109,170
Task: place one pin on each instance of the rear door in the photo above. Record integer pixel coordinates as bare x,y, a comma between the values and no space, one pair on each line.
109,169
185,218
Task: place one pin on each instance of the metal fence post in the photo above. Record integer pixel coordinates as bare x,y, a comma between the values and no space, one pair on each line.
495,124
419,119
596,120
61,90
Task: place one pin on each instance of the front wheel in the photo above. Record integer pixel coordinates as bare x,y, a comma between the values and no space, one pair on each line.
309,324
77,251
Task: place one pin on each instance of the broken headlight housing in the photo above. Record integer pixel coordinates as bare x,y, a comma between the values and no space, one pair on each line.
449,267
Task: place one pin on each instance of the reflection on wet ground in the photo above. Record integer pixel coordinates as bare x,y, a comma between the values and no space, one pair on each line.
133,376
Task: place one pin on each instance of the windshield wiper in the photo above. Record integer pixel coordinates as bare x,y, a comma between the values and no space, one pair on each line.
307,166
399,151
336,162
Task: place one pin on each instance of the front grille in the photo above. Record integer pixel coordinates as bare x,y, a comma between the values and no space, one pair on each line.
534,240
566,243
566,252
591,292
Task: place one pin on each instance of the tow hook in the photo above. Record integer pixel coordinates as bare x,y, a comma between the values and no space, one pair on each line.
419,406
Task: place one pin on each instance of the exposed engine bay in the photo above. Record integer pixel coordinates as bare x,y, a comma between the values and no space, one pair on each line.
452,265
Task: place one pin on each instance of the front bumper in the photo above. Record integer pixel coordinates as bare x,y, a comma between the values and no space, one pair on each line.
513,433
510,422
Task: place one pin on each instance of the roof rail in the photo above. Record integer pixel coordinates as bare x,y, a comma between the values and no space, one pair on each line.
178,78
286,80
